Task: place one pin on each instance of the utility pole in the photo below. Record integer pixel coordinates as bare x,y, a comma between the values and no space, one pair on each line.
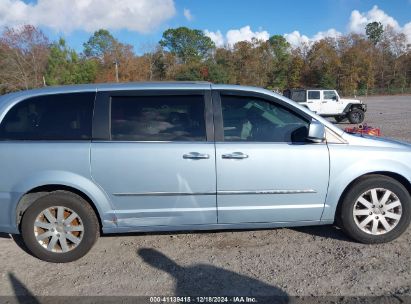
116,66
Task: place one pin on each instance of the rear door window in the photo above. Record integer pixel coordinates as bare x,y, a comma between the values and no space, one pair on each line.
50,117
158,118
313,94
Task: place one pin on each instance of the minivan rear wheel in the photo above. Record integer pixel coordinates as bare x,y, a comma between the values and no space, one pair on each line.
59,227
375,210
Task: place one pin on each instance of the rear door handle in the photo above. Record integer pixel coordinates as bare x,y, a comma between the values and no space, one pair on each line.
196,155
235,155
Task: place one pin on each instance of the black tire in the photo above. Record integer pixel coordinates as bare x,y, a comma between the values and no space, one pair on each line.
68,200
340,118
346,218
356,116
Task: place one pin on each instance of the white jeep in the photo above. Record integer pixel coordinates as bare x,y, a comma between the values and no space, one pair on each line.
328,103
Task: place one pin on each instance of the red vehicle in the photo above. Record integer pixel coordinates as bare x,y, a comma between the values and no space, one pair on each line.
364,129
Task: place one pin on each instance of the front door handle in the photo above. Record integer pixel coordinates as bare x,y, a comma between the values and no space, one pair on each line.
235,155
196,155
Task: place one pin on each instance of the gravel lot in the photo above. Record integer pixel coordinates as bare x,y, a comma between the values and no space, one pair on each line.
295,262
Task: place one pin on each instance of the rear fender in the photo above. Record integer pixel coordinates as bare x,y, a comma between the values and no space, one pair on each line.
67,179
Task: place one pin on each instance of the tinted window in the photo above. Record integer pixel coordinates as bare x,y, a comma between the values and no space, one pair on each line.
254,119
51,117
158,118
313,94
330,95
298,96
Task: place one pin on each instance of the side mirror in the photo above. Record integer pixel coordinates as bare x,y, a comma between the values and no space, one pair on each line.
316,132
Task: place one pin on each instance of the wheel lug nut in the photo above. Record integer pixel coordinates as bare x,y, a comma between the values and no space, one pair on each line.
376,217
370,213
381,206
373,206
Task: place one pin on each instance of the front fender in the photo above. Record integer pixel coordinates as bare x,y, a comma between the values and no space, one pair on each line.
347,108
360,106
341,176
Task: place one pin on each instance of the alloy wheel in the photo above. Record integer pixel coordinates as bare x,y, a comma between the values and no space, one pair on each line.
377,211
58,229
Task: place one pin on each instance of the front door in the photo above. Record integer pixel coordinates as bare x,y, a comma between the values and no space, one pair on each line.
266,170
331,104
157,165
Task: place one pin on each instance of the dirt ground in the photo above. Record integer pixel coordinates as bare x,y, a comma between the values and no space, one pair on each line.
295,262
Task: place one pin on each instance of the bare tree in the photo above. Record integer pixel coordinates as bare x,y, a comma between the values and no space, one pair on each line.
23,60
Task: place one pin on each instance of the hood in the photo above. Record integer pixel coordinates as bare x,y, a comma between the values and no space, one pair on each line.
375,141
348,100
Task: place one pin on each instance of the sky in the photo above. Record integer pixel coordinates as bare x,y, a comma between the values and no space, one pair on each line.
142,22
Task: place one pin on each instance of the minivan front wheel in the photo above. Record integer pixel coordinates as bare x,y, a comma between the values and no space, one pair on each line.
59,227
376,210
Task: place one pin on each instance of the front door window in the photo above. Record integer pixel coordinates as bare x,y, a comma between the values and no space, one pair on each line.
256,120
330,95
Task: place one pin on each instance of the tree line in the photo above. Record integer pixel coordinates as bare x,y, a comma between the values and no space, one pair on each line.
379,61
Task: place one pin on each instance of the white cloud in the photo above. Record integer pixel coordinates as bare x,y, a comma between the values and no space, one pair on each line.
236,35
358,21
89,15
331,33
245,34
356,24
217,37
296,39
407,31
188,14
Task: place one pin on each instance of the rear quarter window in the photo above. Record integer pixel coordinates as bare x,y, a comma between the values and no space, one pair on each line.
298,96
50,117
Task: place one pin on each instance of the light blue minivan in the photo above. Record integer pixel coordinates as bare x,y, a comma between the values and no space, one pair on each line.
78,161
